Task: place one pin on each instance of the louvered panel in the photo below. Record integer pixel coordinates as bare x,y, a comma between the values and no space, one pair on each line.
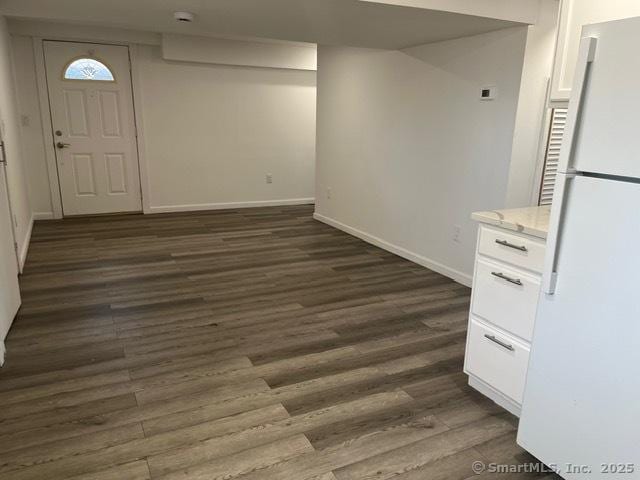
552,155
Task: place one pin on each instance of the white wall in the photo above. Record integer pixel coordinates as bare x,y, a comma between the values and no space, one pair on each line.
16,178
211,133
408,149
31,128
527,150
222,51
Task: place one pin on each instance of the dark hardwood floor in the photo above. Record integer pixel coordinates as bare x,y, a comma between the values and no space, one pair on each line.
249,344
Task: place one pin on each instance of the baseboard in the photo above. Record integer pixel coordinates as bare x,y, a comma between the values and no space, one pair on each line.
43,216
230,205
453,274
494,395
24,248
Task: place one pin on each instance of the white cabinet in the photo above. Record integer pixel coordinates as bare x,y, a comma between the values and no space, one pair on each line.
521,251
498,359
506,296
574,14
506,288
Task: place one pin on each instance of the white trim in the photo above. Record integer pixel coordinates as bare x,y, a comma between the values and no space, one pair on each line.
137,97
24,248
230,205
454,274
490,392
559,91
43,216
47,135
542,148
12,217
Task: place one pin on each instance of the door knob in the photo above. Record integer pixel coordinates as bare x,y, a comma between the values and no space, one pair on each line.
62,145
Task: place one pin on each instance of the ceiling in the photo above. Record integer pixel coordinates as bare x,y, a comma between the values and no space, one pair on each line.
370,23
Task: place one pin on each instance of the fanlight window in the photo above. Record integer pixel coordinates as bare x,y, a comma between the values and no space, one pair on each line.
88,69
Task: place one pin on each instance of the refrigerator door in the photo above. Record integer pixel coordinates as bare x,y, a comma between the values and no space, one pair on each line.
581,407
607,140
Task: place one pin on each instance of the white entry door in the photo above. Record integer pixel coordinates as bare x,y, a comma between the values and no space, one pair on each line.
91,102
9,289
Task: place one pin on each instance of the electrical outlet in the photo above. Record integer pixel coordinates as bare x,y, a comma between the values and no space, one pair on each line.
329,193
269,178
456,233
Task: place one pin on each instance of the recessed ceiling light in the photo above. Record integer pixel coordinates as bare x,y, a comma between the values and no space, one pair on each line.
183,16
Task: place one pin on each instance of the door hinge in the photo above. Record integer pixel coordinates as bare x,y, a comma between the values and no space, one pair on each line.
15,246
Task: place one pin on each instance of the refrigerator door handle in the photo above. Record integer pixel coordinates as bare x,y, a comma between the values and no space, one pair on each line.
549,274
586,55
566,172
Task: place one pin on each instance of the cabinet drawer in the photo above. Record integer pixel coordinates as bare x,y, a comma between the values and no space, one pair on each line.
496,359
506,297
521,251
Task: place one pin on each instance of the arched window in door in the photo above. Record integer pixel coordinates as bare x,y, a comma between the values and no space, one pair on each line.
88,69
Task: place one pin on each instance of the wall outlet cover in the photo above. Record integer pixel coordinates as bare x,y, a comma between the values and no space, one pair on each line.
456,233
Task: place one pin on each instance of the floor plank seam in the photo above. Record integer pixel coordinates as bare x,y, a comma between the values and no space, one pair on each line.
253,344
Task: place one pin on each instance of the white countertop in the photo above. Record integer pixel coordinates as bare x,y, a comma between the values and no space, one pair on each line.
532,221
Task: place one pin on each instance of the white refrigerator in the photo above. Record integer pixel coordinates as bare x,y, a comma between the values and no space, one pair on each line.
581,408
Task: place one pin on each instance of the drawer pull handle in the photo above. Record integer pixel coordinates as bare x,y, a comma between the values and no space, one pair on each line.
502,344
504,243
515,281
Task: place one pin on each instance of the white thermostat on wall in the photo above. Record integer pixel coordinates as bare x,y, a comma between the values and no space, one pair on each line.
488,93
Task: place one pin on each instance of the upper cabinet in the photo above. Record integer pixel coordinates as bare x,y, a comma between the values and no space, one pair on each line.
574,14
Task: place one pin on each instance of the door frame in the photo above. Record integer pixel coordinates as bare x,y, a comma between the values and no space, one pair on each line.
47,125
3,167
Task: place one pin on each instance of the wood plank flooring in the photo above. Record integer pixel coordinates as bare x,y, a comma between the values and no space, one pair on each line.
241,344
